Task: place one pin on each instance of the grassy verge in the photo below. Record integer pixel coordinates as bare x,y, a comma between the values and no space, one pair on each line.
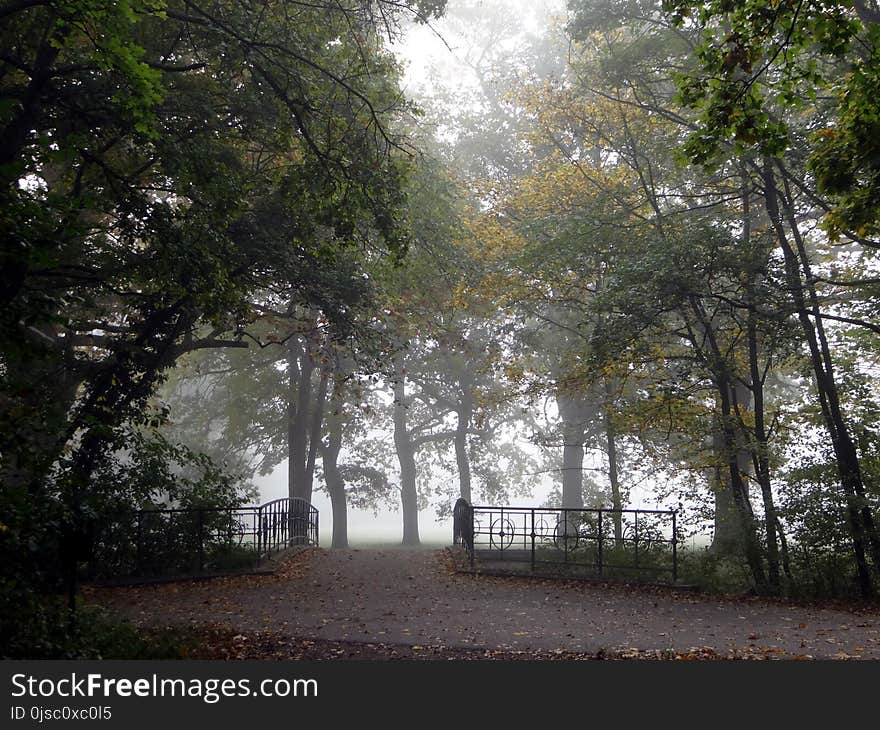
46,632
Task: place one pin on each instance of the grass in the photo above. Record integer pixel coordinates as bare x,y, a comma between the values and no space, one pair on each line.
46,632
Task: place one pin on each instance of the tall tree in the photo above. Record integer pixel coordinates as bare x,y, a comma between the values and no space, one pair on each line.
767,62
161,162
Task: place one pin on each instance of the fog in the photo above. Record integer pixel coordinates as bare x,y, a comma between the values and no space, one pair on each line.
365,527
438,58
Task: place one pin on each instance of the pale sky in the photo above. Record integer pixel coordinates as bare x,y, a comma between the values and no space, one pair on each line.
436,51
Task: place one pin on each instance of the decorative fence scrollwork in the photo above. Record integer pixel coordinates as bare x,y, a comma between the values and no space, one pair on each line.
199,541
601,543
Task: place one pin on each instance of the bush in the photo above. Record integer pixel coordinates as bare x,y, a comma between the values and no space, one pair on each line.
42,629
713,573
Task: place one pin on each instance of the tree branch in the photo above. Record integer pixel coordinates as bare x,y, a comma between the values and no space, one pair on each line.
11,8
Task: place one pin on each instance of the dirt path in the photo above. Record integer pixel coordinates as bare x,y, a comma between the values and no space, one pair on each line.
415,599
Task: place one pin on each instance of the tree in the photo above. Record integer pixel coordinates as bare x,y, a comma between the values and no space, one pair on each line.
766,61
632,251
768,58
161,162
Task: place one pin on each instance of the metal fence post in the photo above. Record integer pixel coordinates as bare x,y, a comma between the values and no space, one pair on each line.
259,527
473,546
674,548
533,538
636,535
501,531
600,543
564,535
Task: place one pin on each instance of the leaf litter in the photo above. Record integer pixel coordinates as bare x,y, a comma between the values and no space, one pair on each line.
360,608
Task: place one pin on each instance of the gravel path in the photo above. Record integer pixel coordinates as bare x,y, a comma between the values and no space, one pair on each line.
416,599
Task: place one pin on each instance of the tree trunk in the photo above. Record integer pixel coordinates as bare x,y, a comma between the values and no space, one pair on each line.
317,415
848,445
573,414
305,414
409,497
734,453
465,411
761,451
300,366
332,474
758,438
727,537
303,432
739,488
783,551
613,478
338,505
849,470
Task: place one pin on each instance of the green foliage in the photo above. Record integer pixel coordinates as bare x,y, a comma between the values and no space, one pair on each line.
845,156
149,471
763,69
38,539
44,631
713,573
165,167
814,512
816,573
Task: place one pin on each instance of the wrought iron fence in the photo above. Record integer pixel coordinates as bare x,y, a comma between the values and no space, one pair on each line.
600,543
198,541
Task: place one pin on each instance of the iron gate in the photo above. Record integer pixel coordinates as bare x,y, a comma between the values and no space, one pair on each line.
598,543
198,541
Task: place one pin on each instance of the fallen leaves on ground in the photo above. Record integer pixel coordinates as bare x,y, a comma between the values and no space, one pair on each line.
415,605
222,592
282,569
220,642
